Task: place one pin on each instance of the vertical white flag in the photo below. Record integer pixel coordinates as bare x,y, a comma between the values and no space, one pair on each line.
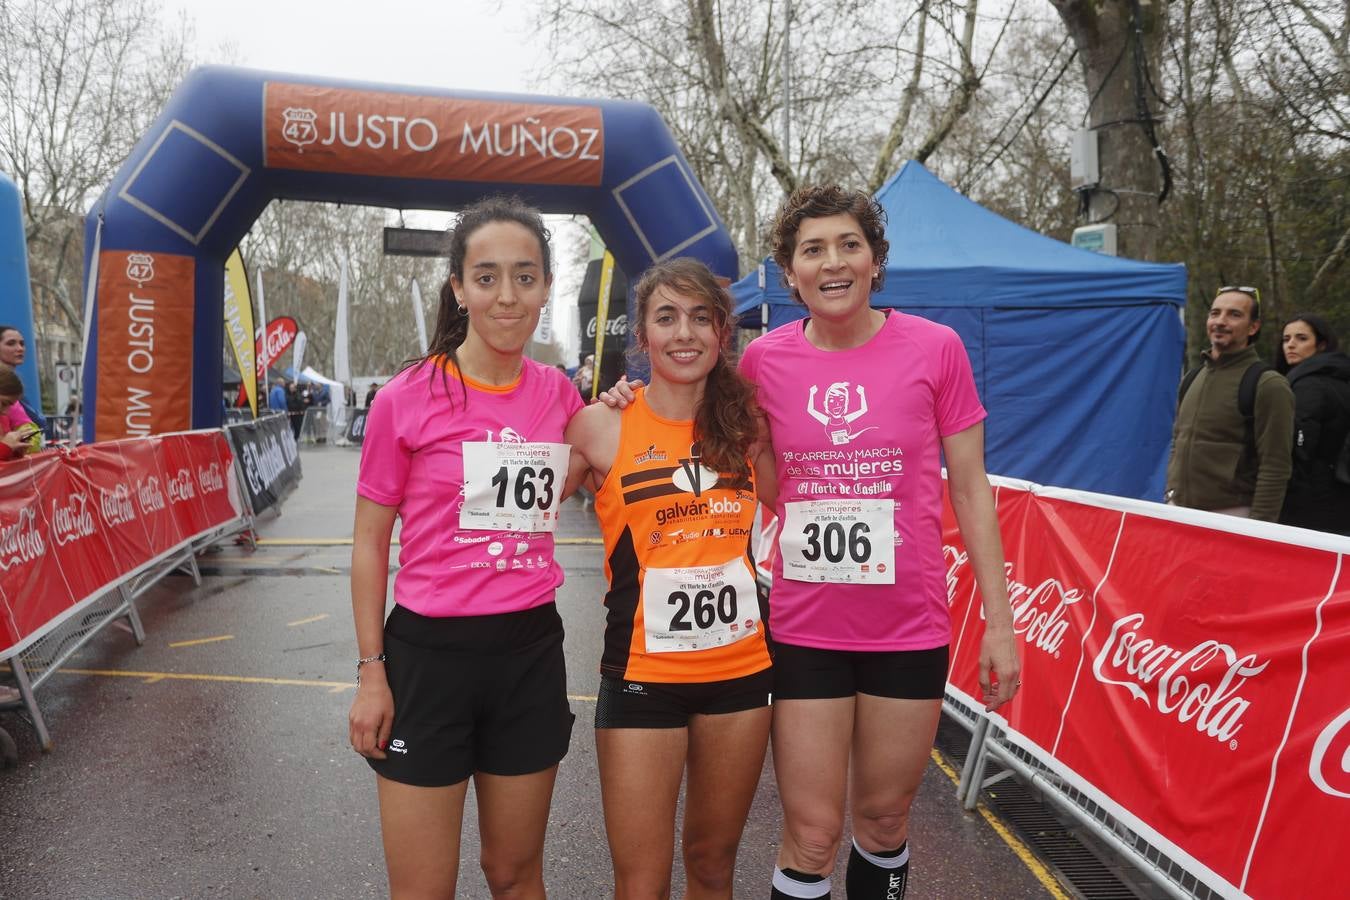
419,317
342,368
298,353
262,307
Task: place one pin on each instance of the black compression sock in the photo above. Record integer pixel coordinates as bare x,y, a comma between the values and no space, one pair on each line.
789,884
877,876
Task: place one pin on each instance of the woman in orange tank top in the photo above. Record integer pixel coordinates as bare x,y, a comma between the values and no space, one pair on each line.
686,674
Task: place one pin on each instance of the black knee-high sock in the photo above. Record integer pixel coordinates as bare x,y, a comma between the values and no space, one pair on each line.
877,876
789,884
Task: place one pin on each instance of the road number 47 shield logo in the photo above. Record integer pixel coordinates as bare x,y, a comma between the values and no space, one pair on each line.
298,126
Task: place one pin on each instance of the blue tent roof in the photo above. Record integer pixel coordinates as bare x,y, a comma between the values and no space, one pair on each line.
948,251
1076,355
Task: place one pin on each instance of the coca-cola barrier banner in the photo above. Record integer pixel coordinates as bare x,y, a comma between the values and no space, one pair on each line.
74,524
1188,673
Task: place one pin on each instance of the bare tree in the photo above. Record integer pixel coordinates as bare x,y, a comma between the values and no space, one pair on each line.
80,80
867,84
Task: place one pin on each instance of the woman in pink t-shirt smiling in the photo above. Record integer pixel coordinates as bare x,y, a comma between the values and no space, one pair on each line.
858,610
466,676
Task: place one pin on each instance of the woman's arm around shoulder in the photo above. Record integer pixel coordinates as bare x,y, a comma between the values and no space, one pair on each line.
973,504
593,434
766,466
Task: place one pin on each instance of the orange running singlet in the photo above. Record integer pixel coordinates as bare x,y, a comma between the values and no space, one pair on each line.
683,602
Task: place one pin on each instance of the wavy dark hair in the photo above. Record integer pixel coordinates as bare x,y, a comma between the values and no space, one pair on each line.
1322,334
818,202
10,384
726,421
452,321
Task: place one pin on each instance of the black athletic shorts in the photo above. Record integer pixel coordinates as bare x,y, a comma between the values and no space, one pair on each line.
809,673
655,704
475,694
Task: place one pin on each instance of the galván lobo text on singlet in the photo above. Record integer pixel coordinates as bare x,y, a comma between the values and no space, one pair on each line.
683,603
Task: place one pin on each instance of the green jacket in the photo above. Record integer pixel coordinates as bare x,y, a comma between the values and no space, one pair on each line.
1211,467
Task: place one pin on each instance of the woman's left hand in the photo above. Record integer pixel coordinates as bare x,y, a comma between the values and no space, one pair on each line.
1000,667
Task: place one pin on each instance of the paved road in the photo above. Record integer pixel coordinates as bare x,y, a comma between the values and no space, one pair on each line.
213,760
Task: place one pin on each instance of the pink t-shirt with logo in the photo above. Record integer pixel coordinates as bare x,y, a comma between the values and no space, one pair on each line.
412,458
864,424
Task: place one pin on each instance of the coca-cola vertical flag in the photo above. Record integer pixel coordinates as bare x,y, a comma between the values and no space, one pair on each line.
1192,665
275,339
1303,832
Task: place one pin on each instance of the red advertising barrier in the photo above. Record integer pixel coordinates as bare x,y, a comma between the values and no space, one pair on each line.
1192,678
74,524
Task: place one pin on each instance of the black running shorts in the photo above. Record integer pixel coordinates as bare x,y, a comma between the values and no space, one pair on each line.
475,694
654,704
809,673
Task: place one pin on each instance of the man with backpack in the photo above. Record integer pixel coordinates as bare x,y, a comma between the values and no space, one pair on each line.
1233,436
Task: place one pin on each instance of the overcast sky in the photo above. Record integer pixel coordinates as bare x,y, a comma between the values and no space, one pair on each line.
478,45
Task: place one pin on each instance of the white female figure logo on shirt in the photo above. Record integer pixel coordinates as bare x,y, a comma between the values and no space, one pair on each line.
835,415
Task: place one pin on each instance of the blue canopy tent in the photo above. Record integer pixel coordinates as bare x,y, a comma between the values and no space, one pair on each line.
1076,355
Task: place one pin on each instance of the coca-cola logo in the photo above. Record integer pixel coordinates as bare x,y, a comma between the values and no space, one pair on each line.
1198,685
210,479
956,559
20,541
1040,613
115,505
276,337
71,521
615,327
1329,765
149,494
180,487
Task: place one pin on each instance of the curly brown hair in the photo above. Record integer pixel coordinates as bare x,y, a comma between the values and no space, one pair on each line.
726,423
818,202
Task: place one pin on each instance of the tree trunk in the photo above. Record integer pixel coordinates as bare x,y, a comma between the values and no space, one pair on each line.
1116,77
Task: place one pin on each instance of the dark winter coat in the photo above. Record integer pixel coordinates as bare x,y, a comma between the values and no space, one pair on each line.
1315,499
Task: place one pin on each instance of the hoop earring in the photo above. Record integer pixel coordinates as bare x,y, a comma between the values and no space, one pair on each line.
463,310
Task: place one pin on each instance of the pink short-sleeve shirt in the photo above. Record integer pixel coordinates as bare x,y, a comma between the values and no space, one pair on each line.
412,459
866,423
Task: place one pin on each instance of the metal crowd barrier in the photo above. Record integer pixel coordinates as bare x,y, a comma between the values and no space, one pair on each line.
989,742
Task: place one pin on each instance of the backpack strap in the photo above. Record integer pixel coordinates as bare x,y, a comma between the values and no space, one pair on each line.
1247,401
1246,398
1186,381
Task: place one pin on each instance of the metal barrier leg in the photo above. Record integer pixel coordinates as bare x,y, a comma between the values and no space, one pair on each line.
963,787
133,615
30,702
976,761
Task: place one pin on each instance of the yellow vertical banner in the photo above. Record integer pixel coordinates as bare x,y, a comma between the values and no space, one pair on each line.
239,325
601,319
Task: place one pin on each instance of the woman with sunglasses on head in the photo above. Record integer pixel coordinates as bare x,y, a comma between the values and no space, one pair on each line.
686,679
466,678
860,402
1319,375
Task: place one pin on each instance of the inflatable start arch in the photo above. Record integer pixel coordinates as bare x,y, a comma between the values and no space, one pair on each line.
231,140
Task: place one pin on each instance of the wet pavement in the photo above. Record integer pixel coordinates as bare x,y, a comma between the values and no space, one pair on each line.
213,761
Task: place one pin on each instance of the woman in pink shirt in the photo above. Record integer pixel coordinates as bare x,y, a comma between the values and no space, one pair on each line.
861,402
466,676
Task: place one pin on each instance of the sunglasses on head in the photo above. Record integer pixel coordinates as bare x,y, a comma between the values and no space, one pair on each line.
1254,293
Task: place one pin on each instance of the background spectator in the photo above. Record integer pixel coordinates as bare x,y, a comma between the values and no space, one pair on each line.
1320,377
